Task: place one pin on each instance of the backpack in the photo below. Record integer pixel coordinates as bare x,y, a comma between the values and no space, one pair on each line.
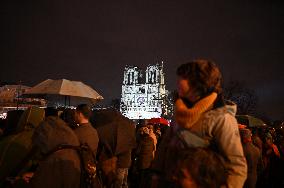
88,164
107,164
87,160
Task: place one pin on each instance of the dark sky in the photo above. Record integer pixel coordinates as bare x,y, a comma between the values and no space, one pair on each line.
92,41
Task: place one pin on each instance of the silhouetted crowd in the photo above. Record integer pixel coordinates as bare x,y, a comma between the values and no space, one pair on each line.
203,146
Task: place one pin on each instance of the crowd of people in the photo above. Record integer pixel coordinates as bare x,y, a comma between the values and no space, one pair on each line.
203,147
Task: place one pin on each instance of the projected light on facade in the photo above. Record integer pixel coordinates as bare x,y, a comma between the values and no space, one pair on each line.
143,98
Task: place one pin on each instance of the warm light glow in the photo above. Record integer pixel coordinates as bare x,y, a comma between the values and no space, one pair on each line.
3,115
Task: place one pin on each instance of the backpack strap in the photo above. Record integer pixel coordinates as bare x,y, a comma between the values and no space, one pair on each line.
191,140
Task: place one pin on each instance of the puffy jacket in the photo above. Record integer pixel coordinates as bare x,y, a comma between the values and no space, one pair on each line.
220,128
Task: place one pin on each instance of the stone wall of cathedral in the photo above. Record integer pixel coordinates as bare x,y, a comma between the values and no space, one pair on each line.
142,95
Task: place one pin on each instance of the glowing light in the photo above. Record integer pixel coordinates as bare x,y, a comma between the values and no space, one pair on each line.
3,115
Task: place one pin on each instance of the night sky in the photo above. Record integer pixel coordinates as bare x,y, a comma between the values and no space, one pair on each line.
92,41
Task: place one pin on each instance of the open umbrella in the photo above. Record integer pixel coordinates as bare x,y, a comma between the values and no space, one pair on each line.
115,130
158,121
74,92
250,121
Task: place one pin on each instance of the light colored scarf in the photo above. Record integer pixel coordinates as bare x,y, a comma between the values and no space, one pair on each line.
187,117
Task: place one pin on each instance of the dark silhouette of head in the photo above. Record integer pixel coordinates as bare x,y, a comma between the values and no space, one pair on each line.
68,115
206,168
85,110
51,111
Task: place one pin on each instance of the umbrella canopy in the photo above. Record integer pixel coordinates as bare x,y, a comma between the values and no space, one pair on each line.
158,121
250,121
76,91
115,130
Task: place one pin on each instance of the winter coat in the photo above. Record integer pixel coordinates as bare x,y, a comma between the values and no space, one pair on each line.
253,157
87,134
60,169
220,128
144,152
257,142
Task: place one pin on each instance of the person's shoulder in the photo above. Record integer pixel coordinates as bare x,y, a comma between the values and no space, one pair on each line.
223,113
220,120
228,108
90,129
253,149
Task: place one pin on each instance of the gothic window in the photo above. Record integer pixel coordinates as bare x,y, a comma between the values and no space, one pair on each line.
140,78
152,77
142,89
128,81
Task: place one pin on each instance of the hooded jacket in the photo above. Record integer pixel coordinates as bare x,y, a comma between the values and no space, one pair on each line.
60,169
220,128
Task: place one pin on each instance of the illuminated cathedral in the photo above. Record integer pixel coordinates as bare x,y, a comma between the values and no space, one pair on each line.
143,95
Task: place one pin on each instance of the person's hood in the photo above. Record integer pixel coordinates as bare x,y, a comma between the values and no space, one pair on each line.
231,107
52,132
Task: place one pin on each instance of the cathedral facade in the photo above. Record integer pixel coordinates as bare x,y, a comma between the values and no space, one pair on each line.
143,93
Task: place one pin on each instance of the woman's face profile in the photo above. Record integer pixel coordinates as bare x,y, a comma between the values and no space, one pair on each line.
185,90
